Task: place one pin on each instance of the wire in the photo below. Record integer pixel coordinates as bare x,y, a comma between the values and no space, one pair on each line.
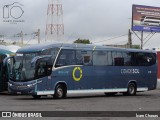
111,38
120,42
149,38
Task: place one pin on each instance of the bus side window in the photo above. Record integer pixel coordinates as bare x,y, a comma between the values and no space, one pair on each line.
118,60
151,58
84,57
100,58
66,57
110,62
87,60
79,58
127,59
87,57
146,59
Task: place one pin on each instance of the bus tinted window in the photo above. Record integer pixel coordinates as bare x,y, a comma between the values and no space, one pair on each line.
87,57
110,58
127,58
66,57
144,59
50,51
84,57
100,58
118,60
79,58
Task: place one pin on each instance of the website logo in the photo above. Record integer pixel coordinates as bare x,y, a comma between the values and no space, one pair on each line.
6,114
12,13
14,10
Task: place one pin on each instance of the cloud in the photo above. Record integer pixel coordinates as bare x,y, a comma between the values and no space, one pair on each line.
91,19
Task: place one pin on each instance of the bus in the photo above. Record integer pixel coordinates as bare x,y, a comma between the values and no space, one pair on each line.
150,21
62,69
5,51
3,70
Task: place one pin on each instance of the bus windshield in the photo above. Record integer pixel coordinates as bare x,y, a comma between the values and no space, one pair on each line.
22,69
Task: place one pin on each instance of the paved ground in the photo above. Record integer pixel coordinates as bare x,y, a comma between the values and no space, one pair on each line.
145,101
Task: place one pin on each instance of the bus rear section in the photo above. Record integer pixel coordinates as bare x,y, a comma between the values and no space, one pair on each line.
85,70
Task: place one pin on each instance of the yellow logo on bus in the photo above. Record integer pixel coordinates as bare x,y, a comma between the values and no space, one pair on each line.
73,74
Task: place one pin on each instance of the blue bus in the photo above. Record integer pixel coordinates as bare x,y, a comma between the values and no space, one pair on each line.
61,69
3,69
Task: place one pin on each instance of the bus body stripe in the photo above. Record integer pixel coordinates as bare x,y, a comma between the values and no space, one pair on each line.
45,92
142,89
90,91
97,90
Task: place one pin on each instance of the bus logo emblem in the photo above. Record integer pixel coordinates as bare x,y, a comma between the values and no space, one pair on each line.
80,75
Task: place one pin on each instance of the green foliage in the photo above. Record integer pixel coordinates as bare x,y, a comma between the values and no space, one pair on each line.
136,46
82,41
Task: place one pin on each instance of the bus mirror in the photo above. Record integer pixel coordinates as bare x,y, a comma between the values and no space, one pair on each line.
8,64
7,60
42,65
34,61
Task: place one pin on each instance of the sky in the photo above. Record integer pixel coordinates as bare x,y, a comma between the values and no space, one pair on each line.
96,20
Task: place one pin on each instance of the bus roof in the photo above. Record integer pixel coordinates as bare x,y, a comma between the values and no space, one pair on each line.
11,48
3,51
41,47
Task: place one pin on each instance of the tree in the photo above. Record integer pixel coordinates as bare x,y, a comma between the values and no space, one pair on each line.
136,46
82,41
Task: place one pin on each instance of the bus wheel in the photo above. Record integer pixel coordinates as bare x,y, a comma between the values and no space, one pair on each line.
36,96
131,89
60,92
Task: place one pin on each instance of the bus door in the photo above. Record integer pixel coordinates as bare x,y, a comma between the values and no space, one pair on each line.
42,70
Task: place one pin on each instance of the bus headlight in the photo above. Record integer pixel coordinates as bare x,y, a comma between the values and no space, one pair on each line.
10,84
30,85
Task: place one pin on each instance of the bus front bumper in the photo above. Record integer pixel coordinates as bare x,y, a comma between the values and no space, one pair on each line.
21,88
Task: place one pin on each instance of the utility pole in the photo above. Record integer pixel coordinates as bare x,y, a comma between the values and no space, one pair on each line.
21,35
141,39
129,39
38,35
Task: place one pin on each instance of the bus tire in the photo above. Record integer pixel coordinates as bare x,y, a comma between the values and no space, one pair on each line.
131,90
36,96
60,92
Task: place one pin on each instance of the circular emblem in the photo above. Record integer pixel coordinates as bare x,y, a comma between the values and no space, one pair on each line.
80,73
